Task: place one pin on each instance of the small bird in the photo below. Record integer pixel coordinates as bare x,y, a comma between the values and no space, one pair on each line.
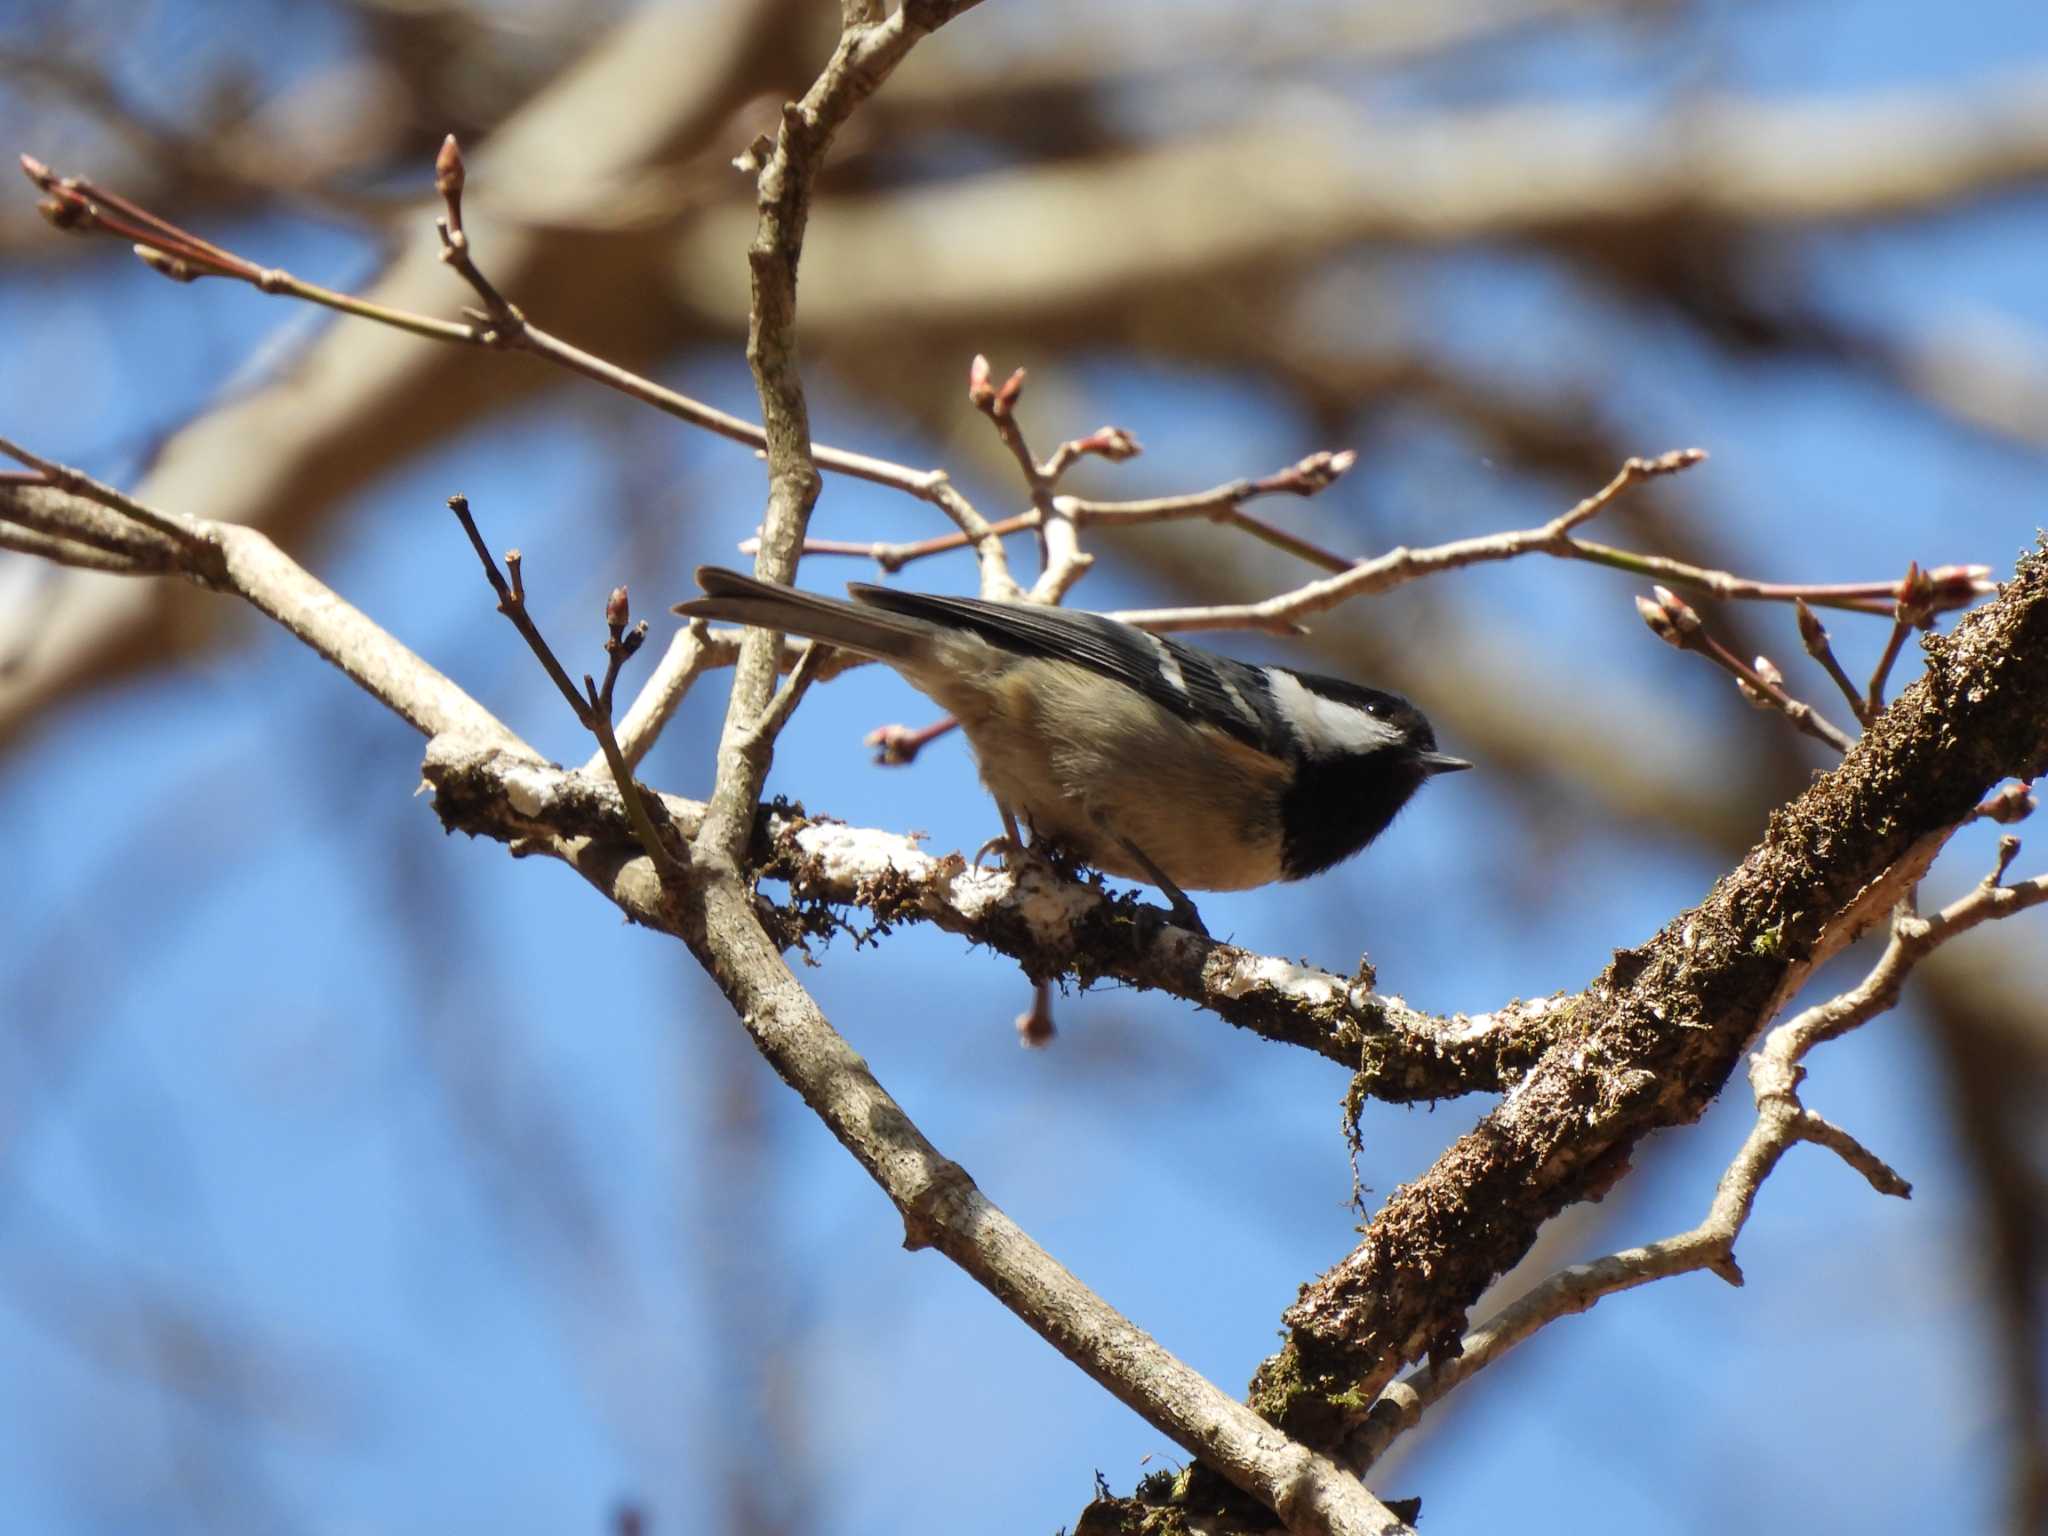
1144,757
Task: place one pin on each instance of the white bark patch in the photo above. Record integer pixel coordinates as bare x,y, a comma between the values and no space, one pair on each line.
1251,973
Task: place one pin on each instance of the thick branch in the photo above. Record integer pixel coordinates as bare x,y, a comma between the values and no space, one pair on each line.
1053,927
942,1208
230,558
1782,1121
579,818
868,50
1651,1043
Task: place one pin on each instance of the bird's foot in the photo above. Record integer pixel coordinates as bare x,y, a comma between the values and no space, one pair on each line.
1184,913
1009,850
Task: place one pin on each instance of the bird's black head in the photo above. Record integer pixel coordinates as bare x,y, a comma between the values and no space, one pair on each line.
1364,753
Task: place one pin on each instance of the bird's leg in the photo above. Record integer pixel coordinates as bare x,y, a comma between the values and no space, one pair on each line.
1184,911
1010,842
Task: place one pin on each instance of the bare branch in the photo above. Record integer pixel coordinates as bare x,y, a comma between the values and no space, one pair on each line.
1397,567
1061,559
1655,1036
1782,1121
1815,639
1053,927
869,49
593,706
81,554
81,207
692,651
512,604
1673,621
36,518
539,809
771,720
689,654
231,558
1914,609
1223,504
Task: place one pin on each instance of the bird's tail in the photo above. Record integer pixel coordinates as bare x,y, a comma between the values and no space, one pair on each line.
765,605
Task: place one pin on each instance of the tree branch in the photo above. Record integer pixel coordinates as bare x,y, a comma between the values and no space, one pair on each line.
1782,1122
1652,1041
230,558
869,48
1054,928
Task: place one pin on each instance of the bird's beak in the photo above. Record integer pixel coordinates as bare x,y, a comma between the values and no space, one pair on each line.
1438,762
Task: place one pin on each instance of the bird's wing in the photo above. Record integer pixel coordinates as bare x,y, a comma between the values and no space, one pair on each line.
1197,683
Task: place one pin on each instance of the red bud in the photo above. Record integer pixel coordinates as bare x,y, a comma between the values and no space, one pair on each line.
1678,610
449,171
65,213
1006,397
1810,631
1653,614
1112,443
175,268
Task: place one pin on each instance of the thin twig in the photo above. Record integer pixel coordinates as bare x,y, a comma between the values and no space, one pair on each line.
66,527
1914,609
1957,585
1223,504
449,177
768,725
1674,621
893,557
1283,614
689,654
1953,586
81,207
80,554
1815,638
512,604
186,531
644,830
1112,443
592,706
1062,562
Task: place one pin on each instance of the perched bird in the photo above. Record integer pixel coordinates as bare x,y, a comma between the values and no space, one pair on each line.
1149,759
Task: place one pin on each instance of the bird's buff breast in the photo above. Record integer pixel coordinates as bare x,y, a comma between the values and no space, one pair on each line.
1089,763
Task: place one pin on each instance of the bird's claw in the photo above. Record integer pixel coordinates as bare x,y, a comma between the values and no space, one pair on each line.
1186,916
1004,845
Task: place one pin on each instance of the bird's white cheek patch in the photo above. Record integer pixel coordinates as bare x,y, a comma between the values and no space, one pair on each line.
1323,724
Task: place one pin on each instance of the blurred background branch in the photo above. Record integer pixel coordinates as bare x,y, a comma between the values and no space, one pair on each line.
1496,249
